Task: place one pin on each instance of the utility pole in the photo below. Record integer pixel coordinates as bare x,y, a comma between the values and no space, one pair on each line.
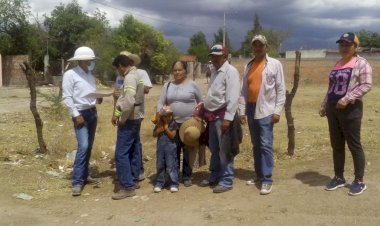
224,29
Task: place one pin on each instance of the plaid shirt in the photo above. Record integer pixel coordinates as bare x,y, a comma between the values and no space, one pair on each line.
360,82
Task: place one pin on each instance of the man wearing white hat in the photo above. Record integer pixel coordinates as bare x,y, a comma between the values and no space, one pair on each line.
262,99
77,84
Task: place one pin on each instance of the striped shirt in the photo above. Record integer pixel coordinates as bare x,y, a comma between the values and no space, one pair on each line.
360,82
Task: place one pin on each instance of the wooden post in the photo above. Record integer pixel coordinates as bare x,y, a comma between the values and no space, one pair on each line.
288,105
30,76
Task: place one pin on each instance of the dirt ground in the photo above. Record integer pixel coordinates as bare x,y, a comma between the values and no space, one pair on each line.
298,197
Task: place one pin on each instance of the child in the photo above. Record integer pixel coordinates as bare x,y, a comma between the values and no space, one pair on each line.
165,131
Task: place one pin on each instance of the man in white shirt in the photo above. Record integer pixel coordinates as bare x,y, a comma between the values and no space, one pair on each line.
77,86
262,99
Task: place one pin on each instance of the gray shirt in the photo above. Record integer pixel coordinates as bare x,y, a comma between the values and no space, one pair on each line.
223,90
182,99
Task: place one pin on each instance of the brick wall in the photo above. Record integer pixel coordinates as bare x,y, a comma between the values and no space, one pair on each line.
13,75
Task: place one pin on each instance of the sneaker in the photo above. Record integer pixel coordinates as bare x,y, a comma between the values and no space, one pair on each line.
187,183
157,189
335,183
265,189
253,181
206,183
123,193
141,176
76,190
221,189
357,187
173,189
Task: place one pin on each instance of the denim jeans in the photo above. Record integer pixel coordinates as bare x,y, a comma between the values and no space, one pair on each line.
127,153
85,138
261,131
344,126
221,165
186,168
166,161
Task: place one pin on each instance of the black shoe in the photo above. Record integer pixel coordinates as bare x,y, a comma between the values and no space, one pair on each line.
221,189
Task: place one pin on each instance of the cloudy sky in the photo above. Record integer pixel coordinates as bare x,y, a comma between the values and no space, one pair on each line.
313,23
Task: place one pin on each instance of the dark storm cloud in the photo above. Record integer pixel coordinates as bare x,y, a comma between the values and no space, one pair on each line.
313,23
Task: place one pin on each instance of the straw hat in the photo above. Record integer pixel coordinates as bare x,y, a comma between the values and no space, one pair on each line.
135,58
190,131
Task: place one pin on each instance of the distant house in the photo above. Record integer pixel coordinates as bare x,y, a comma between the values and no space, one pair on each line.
188,58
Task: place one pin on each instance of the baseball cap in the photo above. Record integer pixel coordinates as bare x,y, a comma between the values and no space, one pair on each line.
349,37
218,50
260,38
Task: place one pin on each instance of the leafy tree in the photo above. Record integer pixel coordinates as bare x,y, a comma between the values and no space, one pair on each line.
218,39
156,52
199,47
274,38
369,39
14,26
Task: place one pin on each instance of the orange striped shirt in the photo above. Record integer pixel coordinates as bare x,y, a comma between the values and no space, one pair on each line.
254,80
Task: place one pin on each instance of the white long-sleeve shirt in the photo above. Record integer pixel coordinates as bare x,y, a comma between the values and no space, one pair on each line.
223,90
271,97
76,87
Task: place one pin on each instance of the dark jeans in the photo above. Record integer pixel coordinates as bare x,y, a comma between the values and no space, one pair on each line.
186,168
127,153
85,137
344,126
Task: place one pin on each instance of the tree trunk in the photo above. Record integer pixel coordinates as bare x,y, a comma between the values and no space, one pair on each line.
30,76
288,105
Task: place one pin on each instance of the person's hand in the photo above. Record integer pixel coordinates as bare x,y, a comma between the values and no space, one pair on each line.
341,104
116,93
275,118
114,120
99,100
243,119
225,125
79,121
322,112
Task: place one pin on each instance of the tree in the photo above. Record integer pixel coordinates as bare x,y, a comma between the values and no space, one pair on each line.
156,52
369,39
274,38
14,26
199,47
218,39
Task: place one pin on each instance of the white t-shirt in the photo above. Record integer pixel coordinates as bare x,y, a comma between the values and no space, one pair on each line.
143,74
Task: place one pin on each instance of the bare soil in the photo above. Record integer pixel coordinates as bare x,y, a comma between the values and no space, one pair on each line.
298,197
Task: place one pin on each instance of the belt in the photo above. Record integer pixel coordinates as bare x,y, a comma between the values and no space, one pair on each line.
93,109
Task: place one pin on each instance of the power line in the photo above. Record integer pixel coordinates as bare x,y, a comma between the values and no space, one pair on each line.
120,8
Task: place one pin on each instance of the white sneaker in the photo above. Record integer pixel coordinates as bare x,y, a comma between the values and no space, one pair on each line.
265,189
157,189
173,189
253,181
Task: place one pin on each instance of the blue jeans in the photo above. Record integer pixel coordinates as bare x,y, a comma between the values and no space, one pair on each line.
85,138
127,153
261,131
221,165
166,159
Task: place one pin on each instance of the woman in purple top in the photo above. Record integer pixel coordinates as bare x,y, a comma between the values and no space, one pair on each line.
182,95
349,81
